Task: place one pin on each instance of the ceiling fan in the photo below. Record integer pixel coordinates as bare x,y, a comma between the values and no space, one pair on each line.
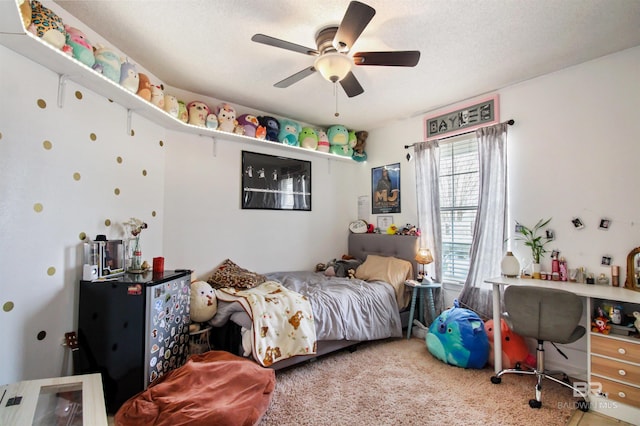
333,45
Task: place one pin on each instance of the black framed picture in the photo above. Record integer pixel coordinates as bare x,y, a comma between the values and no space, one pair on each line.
271,182
385,189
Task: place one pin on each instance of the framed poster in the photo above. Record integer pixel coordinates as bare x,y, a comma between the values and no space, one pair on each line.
385,189
270,182
462,119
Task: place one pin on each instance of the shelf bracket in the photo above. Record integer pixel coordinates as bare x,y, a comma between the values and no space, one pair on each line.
62,84
129,114
214,146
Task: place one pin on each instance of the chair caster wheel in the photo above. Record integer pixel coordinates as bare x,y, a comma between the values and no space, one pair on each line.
533,403
496,380
583,405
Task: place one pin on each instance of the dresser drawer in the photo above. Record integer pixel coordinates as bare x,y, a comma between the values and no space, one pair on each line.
620,349
615,369
619,392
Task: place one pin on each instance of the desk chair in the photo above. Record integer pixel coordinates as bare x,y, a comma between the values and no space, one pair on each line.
549,315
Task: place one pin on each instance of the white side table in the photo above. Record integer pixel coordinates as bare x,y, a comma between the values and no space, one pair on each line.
419,289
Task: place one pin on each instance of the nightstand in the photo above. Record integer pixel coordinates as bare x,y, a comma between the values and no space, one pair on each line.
419,289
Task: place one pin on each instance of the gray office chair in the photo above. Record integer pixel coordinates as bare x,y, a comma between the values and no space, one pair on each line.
549,315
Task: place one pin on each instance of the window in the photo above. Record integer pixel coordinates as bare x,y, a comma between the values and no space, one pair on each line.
459,182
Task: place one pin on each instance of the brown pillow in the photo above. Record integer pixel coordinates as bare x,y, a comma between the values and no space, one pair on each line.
391,270
228,274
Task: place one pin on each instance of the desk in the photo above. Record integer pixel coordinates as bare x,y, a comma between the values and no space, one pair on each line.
419,287
589,291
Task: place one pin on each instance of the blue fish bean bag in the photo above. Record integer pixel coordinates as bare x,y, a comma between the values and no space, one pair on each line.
458,337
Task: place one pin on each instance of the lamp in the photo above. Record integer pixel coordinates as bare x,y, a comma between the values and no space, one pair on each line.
333,66
423,257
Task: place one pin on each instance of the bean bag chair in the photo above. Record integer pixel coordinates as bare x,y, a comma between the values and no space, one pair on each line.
214,388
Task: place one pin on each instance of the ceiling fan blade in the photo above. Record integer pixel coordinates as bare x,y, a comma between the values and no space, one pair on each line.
276,42
356,18
351,85
295,77
400,58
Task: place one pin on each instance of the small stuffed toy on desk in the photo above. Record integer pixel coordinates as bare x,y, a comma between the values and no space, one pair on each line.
600,325
289,131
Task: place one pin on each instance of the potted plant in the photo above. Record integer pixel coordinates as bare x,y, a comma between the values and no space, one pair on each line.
534,241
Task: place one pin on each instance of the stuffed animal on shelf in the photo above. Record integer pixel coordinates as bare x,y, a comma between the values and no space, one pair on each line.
144,87
108,63
183,114
339,140
80,45
457,337
600,325
272,125
261,133
249,123
211,121
323,141
47,25
358,150
289,131
157,95
171,105
226,118
308,138
129,78
203,303
25,12
198,112
514,347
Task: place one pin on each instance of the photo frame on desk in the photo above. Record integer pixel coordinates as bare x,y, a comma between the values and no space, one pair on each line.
271,182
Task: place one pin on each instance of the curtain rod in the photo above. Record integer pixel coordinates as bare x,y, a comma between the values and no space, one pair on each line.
509,122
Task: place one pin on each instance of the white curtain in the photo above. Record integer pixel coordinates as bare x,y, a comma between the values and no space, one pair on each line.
427,160
487,247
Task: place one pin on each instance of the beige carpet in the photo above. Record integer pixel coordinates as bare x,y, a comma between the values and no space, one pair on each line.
398,382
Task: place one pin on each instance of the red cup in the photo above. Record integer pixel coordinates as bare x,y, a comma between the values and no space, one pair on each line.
158,265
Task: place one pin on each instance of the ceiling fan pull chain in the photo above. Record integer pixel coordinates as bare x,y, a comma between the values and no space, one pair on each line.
335,94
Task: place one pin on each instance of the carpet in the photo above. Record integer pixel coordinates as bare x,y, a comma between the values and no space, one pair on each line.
398,382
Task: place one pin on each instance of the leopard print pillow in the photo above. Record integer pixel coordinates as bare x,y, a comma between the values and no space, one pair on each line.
228,274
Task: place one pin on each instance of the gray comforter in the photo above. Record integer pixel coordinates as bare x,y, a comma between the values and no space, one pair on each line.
343,309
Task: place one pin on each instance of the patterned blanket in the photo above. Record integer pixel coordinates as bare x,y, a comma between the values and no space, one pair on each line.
283,324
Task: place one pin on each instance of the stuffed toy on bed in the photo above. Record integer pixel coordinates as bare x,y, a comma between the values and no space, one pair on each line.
457,337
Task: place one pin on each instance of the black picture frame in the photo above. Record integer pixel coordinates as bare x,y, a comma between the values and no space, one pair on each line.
271,182
385,189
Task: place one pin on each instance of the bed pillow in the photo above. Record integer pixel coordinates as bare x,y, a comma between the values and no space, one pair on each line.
391,270
228,274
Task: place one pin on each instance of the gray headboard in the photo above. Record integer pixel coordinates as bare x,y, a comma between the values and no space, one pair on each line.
400,246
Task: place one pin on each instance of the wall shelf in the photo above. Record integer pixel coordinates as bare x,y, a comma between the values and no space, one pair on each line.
14,37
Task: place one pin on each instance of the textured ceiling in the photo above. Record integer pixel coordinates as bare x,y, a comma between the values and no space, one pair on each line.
468,48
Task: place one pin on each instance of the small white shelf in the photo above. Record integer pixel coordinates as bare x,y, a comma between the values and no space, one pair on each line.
14,37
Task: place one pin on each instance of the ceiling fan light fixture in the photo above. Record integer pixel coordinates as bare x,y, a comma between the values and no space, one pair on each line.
333,66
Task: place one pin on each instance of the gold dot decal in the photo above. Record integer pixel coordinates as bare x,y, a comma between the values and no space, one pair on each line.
144,173
161,143
119,160
37,207
133,132
93,136
78,94
82,236
76,176
42,335
107,222
116,191
153,213
47,145
8,306
42,103
0,135
51,271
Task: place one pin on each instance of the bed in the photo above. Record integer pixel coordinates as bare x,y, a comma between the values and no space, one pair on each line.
345,311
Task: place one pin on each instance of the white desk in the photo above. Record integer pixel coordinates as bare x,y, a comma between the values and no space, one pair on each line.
588,291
